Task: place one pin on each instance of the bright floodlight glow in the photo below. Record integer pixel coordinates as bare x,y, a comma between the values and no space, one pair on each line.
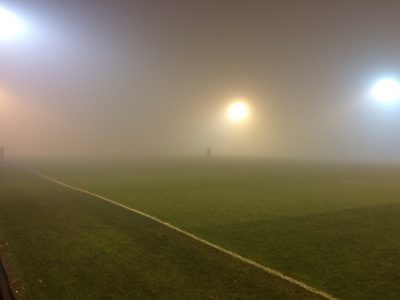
386,91
238,111
11,26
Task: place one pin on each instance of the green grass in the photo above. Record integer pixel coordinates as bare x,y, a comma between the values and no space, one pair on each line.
64,244
335,227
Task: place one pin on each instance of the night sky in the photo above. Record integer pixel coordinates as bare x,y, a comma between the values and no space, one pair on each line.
134,78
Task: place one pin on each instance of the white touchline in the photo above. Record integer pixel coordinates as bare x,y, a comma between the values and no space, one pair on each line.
223,250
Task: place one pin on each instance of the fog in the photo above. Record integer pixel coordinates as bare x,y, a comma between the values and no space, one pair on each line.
154,78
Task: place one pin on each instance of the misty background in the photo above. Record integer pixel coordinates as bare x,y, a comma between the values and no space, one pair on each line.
140,78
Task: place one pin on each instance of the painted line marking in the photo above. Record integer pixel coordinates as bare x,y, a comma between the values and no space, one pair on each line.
372,181
194,237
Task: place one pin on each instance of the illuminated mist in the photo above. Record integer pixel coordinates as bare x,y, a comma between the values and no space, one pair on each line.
154,78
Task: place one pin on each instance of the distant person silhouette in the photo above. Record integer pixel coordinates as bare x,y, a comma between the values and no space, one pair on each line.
1,153
208,153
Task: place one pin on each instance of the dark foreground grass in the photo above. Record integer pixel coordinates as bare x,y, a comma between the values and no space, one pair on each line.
336,227
67,245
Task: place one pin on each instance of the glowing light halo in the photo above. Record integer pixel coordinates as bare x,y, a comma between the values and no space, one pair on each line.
238,111
11,26
386,91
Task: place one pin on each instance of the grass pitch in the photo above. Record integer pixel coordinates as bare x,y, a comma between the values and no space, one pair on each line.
63,244
335,227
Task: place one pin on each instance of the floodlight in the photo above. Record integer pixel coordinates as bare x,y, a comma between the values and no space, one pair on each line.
11,26
386,91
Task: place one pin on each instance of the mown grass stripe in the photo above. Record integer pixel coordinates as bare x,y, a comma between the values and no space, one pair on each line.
192,236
